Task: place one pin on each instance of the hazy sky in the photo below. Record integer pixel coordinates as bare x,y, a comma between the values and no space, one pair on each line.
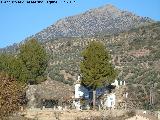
18,21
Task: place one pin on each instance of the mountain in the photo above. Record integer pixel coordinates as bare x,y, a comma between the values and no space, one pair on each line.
108,19
135,53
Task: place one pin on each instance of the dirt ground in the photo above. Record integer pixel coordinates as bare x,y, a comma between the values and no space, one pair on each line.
50,114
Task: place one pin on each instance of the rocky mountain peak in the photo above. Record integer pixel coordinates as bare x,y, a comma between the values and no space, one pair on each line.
106,18
109,8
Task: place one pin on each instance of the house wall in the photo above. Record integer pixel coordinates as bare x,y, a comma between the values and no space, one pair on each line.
111,99
77,104
80,91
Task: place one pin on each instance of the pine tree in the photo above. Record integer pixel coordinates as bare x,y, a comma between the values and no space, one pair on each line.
96,68
13,66
34,58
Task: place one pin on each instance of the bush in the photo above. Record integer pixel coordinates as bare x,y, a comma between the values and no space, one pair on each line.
131,113
11,93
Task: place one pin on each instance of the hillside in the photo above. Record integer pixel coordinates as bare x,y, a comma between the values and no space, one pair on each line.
134,46
136,53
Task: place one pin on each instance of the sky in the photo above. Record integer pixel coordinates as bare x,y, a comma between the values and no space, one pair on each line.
21,20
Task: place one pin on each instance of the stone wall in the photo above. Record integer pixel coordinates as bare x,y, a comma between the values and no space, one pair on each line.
30,94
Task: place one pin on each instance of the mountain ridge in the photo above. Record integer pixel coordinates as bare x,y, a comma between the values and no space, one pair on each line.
105,18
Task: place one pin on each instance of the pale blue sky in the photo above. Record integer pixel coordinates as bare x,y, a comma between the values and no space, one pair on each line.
18,21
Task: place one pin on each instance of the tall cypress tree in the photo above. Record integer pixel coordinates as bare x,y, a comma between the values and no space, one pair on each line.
96,68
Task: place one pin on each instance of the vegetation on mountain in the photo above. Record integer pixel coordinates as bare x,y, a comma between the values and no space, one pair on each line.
96,69
108,19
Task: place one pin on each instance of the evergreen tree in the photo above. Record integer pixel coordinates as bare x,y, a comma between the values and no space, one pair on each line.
96,68
34,58
13,66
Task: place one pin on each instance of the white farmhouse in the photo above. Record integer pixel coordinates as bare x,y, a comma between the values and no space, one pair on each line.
80,92
110,98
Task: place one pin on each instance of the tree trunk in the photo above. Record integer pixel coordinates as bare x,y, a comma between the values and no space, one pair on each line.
94,99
